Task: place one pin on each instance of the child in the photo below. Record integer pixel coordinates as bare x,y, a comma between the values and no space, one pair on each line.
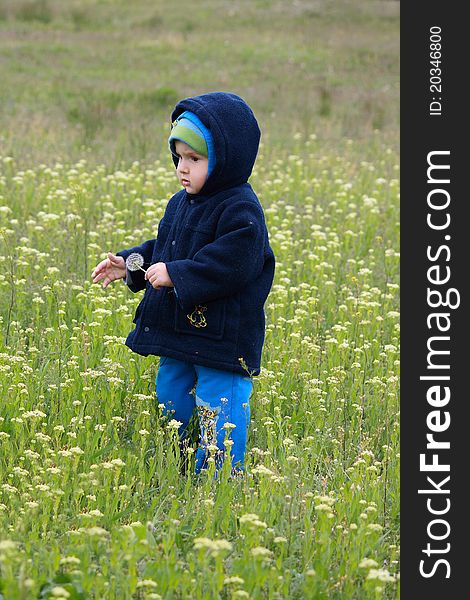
208,274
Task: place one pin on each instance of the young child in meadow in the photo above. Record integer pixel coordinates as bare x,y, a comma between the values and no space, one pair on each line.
208,274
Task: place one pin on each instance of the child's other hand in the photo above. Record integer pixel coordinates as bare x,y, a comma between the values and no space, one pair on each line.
109,269
158,276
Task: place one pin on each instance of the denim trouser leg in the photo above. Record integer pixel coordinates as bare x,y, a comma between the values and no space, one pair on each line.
175,380
221,397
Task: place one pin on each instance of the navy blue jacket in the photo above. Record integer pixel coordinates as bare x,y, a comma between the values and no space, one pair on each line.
216,249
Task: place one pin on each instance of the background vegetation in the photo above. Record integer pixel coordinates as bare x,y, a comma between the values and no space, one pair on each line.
98,78
93,503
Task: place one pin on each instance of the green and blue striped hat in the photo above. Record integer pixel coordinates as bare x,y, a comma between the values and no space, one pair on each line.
188,128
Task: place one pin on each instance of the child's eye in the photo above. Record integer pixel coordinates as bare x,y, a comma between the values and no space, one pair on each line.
195,158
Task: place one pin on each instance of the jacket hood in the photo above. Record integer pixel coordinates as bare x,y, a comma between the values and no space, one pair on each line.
235,133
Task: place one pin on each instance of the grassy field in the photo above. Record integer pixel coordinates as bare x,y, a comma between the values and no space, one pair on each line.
92,500
98,78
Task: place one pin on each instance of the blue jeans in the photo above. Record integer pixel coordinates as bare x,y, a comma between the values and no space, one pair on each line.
221,397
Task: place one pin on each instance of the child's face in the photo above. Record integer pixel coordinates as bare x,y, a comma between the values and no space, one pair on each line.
192,167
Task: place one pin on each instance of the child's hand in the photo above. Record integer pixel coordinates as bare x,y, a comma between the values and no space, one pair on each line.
109,269
158,276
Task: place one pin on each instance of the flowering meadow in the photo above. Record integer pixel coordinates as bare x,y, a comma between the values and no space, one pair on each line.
94,502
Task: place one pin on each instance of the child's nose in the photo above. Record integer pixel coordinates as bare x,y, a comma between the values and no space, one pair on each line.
183,166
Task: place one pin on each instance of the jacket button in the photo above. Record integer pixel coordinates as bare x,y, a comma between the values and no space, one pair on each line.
146,329
173,243
191,201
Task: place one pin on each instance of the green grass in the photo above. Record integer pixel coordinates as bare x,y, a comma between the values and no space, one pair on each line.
100,78
322,462
92,498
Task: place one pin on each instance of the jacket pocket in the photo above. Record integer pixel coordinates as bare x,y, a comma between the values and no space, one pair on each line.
200,229
194,238
205,320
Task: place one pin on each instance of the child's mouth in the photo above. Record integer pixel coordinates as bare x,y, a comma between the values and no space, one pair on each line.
185,182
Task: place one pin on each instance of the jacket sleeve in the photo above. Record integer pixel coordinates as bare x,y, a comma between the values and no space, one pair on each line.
135,279
226,265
